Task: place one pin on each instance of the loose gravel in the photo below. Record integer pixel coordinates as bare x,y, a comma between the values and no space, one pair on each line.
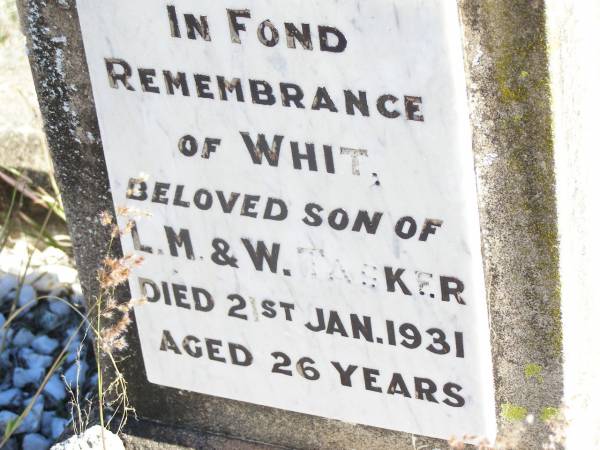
31,343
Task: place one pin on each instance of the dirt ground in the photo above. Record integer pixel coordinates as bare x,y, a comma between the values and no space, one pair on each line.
22,142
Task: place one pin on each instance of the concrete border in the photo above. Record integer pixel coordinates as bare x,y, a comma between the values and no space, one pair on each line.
506,58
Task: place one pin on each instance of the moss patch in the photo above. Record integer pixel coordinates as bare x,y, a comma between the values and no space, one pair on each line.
534,371
513,413
549,413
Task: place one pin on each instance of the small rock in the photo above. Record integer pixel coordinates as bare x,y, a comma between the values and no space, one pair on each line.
5,359
59,307
52,276
75,375
49,321
44,344
59,292
32,421
11,398
72,338
4,332
93,381
57,427
33,360
70,332
12,259
26,296
6,379
78,299
72,357
24,377
22,251
11,444
77,291
23,338
78,352
40,280
5,418
91,440
76,348
55,389
7,283
53,255
36,441
46,425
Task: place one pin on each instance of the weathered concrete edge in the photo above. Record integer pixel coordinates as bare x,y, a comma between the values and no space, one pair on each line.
506,60
64,92
150,435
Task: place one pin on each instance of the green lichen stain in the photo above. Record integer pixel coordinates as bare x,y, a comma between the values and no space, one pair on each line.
534,371
513,413
548,413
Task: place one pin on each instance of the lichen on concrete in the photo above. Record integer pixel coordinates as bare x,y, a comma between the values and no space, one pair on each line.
507,66
513,413
534,371
549,413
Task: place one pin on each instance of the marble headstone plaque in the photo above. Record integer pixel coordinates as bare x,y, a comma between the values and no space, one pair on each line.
310,226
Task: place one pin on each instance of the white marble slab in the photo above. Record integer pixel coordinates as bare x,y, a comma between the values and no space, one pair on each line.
399,167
